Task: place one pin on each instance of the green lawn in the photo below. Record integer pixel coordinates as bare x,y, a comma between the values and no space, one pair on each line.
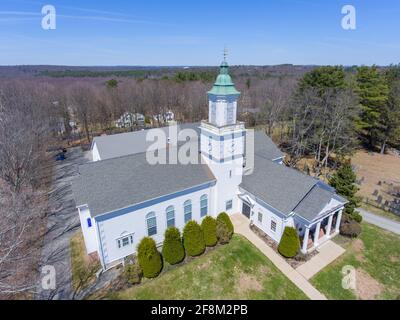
376,257
234,271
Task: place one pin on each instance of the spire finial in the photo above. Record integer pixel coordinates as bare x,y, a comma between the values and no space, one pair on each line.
225,53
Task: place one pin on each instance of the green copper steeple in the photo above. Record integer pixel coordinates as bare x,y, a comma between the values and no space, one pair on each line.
223,85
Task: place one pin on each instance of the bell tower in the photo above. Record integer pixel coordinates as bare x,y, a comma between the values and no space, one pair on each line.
222,140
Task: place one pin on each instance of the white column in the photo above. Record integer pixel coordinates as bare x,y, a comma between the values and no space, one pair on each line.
305,240
338,219
329,227
316,233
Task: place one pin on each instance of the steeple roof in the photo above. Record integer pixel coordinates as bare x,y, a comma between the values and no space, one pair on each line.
224,84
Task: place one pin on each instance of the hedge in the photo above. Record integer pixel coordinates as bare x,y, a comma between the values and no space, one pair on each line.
349,227
223,216
223,233
133,273
290,243
193,239
209,227
149,258
173,251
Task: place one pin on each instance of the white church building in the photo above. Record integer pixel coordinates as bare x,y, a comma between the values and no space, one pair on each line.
121,197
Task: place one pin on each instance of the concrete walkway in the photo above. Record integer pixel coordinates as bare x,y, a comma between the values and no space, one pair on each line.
327,253
382,222
241,224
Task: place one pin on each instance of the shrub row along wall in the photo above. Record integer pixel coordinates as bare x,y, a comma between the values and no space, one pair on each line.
193,243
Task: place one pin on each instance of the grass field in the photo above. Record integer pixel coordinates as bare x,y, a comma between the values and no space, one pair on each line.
234,271
375,255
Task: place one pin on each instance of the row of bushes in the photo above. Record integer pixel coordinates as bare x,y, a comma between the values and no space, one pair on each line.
193,243
290,243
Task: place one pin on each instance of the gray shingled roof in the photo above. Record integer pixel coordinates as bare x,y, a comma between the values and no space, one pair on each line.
265,147
314,202
277,185
122,144
120,182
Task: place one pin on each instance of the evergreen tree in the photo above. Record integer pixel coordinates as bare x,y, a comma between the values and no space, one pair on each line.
372,90
209,227
173,251
224,217
193,239
343,180
290,243
323,79
390,117
149,258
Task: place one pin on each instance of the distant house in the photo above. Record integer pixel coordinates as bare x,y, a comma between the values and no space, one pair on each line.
121,197
167,117
129,119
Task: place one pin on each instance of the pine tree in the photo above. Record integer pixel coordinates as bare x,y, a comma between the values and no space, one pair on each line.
372,90
390,117
343,180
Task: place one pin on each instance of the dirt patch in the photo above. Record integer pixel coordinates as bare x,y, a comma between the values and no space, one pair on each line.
367,287
263,270
248,283
205,265
394,259
358,246
371,174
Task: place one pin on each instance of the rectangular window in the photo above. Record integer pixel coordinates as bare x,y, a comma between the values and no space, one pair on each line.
125,241
228,205
89,222
152,226
188,212
203,207
273,225
171,219
260,217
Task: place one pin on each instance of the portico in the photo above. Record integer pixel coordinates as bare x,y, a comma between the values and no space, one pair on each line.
321,230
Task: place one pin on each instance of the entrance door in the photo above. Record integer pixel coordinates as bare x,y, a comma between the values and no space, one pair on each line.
246,210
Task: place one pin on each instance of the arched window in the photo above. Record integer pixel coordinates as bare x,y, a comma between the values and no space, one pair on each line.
170,212
187,209
151,223
203,205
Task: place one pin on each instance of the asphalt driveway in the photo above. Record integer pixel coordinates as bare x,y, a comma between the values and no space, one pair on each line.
62,222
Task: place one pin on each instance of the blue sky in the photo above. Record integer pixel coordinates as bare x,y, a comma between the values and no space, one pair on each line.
177,32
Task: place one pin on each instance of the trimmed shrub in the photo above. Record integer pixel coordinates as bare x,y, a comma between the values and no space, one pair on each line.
223,233
349,227
290,243
356,216
223,216
149,258
133,273
209,227
173,251
193,239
